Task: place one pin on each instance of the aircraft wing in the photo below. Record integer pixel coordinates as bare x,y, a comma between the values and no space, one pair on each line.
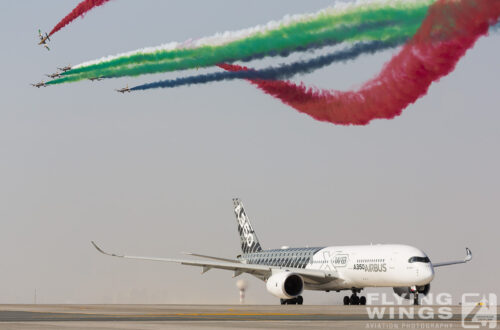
467,258
210,257
262,271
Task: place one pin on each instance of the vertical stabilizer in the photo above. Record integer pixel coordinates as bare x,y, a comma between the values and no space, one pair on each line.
249,240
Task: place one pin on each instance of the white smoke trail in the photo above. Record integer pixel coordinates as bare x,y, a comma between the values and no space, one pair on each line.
229,36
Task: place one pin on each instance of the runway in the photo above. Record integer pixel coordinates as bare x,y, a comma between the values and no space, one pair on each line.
153,317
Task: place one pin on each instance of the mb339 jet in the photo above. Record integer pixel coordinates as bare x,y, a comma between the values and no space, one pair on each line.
40,84
65,68
287,272
43,39
54,75
123,90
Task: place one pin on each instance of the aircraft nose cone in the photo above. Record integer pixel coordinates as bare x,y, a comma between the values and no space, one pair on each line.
427,274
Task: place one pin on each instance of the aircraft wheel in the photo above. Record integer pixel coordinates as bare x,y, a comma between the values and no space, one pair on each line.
300,300
362,300
346,300
283,301
354,300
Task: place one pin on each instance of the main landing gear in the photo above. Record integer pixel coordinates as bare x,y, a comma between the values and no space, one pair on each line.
294,301
354,299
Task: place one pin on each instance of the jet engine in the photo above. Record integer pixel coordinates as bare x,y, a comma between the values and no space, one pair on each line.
285,285
406,292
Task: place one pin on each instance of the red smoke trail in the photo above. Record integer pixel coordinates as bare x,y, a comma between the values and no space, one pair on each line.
449,30
80,10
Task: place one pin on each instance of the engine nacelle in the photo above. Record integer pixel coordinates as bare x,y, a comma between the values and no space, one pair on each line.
285,285
406,293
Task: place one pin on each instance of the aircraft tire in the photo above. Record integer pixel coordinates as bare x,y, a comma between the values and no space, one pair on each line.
354,300
362,300
347,301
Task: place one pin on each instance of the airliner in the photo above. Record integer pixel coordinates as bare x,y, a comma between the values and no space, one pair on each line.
287,271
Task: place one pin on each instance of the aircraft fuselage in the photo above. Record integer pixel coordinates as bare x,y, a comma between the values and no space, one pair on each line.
353,266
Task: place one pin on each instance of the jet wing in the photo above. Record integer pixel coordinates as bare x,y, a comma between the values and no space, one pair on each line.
262,271
467,258
210,257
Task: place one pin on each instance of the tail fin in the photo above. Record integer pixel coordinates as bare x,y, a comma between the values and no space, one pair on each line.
249,241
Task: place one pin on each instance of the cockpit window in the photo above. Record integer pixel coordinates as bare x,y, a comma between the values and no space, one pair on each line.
419,259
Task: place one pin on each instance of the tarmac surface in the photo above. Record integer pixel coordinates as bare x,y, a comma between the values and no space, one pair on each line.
152,317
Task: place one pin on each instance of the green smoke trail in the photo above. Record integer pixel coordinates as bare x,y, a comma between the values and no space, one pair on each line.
210,57
363,24
327,20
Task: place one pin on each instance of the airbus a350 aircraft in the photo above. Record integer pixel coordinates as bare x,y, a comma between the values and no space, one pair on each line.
289,271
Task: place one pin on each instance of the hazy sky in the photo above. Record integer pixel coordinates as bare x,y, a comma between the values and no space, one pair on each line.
153,173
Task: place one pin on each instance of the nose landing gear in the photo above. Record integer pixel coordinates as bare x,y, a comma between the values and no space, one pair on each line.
415,296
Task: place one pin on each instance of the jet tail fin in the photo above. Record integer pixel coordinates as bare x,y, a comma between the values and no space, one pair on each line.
249,241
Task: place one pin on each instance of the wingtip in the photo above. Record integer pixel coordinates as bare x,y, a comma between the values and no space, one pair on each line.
468,257
96,247
104,252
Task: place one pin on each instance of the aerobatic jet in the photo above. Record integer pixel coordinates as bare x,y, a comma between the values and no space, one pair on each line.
289,271
40,84
43,39
123,90
96,79
54,75
64,69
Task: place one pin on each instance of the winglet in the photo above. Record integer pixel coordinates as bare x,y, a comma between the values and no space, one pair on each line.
468,257
103,252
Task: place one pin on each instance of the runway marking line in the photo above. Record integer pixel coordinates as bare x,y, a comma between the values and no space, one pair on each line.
65,314
194,314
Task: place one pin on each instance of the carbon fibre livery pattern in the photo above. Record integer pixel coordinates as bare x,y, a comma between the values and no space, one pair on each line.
255,255
289,258
249,241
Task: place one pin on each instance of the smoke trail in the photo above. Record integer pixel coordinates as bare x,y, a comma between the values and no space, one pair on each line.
80,10
407,77
213,56
214,40
341,14
283,71
295,36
